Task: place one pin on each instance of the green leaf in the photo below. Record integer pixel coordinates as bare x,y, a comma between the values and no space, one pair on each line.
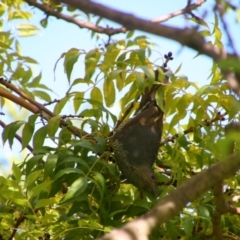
112,53
149,73
141,55
27,29
183,104
77,188
9,183
42,95
96,95
130,95
42,187
64,136
85,144
91,60
44,22
33,162
19,201
188,225
53,125
39,137
198,21
26,26
32,177
59,106
78,160
70,59
27,134
232,63
32,118
204,211
26,77
117,74
99,181
67,171
50,164
160,98
130,34
10,131
36,80
140,81
45,202
205,33
97,113
16,172
109,91
77,101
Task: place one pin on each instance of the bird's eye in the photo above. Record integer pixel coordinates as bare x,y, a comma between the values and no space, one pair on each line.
152,176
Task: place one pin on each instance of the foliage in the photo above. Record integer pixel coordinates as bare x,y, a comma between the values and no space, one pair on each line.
69,185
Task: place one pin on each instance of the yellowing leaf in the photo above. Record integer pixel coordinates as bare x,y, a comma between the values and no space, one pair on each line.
109,91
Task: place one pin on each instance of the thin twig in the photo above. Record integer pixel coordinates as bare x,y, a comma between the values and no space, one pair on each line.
193,129
185,10
226,28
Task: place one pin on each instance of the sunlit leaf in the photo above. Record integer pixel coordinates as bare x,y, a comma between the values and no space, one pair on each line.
70,59
109,91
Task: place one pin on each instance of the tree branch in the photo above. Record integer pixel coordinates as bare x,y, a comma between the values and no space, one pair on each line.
218,117
32,105
169,206
82,24
186,37
185,10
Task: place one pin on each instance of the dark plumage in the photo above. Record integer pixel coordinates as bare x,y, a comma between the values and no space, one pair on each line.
136,143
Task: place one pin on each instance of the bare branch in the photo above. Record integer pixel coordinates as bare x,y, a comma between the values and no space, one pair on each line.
185,10
82,24
218,117
230,237
32,105
220,9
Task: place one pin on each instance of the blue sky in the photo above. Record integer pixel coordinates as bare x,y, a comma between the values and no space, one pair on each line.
59,36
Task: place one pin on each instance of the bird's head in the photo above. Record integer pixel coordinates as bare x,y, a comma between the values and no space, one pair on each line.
145,179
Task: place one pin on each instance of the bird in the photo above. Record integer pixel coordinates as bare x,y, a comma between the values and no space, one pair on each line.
136,142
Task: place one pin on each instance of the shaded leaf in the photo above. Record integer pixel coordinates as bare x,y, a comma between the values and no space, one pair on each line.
39,137
53,125
77,188
27,134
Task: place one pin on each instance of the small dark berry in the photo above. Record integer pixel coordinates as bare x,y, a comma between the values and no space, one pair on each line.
171,58
219,113
165,55
170,54
164,65
223,119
